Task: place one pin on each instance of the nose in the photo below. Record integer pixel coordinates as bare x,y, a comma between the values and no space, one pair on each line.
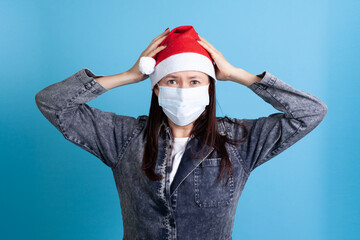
184,85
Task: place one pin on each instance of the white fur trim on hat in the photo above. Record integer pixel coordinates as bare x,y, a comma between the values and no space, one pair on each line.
186,61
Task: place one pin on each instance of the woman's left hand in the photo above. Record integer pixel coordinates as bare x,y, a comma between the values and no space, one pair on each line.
223,69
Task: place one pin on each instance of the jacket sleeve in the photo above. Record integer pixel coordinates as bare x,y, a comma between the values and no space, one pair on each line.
103,134
268,136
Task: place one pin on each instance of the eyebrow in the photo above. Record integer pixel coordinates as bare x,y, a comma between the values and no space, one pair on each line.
173,76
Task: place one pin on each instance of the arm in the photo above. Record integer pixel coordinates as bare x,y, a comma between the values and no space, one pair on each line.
103,134
117,80
268,136
243,77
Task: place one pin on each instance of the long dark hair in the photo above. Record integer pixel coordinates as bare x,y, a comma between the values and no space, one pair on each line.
205,129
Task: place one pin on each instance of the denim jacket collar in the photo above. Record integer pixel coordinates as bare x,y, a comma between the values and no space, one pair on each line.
193,146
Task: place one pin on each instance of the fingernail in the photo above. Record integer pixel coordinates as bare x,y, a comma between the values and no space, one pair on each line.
166,29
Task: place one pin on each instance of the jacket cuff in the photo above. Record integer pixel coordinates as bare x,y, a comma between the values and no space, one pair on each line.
87,77
267,80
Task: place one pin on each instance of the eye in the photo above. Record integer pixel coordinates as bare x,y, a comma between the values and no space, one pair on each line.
194,82
171,81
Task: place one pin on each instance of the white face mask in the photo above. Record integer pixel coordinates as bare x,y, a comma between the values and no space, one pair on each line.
183,105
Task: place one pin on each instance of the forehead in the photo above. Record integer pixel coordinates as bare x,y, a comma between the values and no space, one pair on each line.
187,74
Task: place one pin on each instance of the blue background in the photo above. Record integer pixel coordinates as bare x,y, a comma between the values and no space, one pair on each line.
52,189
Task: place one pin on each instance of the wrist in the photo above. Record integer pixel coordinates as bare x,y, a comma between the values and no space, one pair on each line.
133,76
243,77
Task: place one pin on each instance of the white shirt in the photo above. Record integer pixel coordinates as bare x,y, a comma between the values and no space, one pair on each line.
177,152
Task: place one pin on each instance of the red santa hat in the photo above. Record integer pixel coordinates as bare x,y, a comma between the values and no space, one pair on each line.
183,53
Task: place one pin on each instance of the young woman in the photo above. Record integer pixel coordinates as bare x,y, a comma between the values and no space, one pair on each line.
181,170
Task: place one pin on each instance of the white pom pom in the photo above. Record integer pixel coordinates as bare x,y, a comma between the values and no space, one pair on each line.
147,65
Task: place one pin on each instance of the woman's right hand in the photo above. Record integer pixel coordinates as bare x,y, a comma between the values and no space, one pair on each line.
150,51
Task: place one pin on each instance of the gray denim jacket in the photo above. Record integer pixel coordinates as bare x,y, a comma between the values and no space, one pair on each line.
195,206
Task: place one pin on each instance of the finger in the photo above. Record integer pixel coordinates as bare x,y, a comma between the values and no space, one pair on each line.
153,45
155,51
156,43
207,43
211,51
161,35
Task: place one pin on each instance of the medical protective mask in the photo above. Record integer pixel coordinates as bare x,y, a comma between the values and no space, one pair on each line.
183,105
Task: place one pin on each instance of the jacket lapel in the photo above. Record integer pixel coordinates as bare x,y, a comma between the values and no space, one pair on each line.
188,163
164,149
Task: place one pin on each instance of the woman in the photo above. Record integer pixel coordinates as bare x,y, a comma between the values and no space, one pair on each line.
181,170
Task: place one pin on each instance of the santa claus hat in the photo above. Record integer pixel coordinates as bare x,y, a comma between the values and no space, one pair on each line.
183,53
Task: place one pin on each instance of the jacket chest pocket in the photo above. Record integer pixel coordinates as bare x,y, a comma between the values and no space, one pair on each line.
208,191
